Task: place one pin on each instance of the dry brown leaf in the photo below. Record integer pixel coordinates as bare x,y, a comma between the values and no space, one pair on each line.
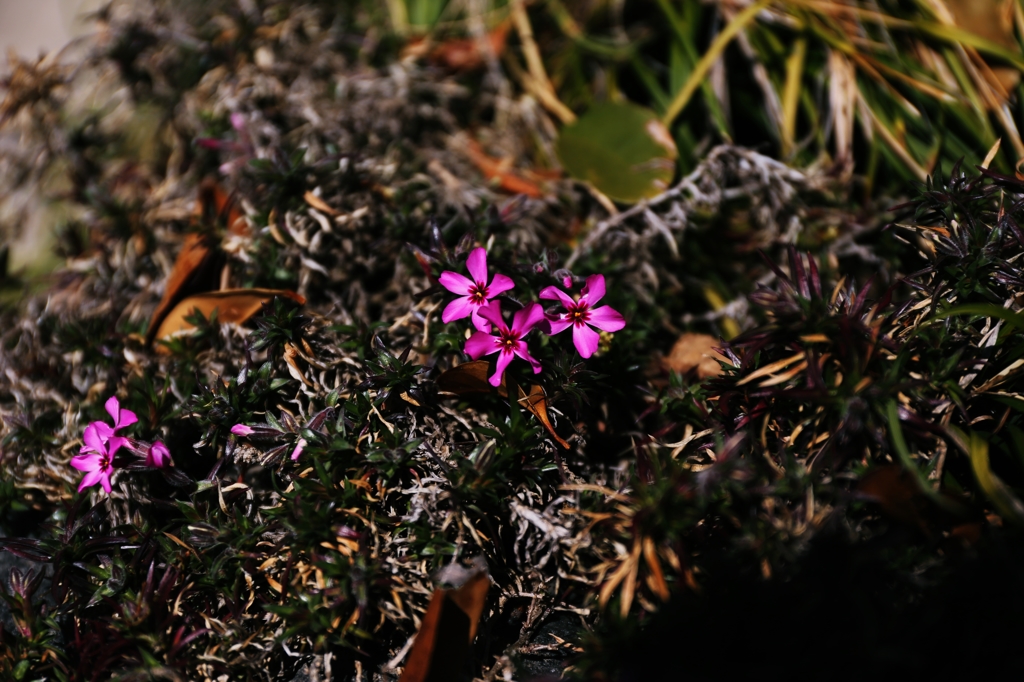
194,270
537,403
656,578
232,305
216,206
469,378
448,628
290,354
992,20
319,204
508,179
197,267
897,492
772,368
842,79
457,54
695,353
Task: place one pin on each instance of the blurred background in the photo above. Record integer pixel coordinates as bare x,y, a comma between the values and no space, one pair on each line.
31,26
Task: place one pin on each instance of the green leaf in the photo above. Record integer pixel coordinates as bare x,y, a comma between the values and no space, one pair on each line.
620,148
899,444
1006,503
987,310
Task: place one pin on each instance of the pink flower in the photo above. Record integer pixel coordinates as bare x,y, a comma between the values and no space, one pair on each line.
96,457
298,448
582,313
240,150
474,293
122,418
158,456
241,430
508,341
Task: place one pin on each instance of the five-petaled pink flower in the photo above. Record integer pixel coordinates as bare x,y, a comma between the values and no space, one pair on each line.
581,314
474,293
509,340
96,457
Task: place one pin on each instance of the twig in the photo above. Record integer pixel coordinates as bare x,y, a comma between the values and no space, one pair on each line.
538,82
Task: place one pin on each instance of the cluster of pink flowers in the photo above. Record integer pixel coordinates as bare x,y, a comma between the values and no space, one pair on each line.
96,457
475,301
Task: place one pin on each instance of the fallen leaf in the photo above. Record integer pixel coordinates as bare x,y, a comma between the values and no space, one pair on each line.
458,54
695,353
508,179
290,353
449,626
215,206
319,204
898,493
197,267
232,305
622,149
194,270
967,534
537,403
471,377
468,378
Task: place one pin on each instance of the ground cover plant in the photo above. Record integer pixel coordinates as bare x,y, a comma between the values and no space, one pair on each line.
355,358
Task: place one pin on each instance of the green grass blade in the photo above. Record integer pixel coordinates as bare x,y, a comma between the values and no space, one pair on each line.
986,310
702,68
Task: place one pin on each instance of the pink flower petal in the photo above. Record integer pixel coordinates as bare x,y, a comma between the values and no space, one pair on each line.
455,283
481,344
91,479
86,462
114,443
492,313
499,284
522,352
241,430
477,264
298,448
96,436
105,480
458,309
113,407
558,324
567,282
594,290
122,418
528,318
556,294
499,371
158,455
606,319
126,418
585,339
479,323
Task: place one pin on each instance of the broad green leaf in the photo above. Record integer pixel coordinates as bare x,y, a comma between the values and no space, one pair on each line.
620,148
